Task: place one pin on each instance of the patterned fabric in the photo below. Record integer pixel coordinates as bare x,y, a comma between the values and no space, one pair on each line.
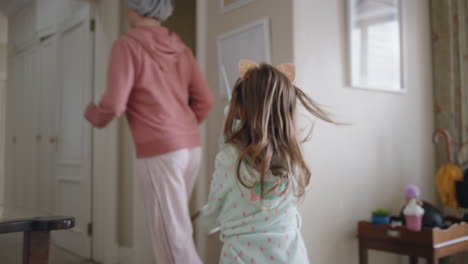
253,231
450,67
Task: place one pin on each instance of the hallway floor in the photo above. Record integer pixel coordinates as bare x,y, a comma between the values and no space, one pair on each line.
11,250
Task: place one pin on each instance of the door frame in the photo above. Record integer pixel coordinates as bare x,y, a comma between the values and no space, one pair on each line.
105,166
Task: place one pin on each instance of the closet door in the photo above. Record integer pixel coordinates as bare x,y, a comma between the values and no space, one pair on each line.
47,135
31,89
18,114
74,156
12,140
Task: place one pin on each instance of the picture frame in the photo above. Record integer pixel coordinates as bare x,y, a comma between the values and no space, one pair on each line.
376,45
251,41
229,5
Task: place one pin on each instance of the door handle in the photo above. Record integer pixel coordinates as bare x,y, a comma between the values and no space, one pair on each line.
39,137
54,140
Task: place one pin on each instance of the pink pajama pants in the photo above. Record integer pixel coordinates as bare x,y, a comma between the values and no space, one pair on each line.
166,182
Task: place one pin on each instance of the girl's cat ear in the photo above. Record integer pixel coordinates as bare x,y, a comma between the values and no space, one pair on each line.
245,66
289,70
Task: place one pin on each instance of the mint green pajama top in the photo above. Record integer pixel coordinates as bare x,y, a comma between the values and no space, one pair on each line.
252,231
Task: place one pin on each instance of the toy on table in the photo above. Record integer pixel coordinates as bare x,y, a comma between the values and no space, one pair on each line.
380,217
413,215
432,216
448,173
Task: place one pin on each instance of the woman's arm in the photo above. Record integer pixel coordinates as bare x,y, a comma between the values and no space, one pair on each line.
199,92
120,80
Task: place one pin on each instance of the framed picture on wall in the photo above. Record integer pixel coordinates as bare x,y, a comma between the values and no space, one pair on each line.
375,45
252,42
228,5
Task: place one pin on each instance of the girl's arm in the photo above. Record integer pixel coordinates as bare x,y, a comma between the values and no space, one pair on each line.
220,184
120,80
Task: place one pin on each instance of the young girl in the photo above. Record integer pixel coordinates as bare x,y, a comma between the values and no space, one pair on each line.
260,172
154,78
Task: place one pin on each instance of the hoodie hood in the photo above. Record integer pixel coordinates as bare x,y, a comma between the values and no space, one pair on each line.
163,45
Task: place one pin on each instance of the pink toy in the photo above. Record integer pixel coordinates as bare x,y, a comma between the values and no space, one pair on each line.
412,191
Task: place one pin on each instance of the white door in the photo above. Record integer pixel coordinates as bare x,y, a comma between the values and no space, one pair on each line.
74,138
14,140
47,53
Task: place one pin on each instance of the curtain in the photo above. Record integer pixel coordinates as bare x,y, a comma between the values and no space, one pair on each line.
449,24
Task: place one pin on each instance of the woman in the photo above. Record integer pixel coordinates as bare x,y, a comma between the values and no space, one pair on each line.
153,77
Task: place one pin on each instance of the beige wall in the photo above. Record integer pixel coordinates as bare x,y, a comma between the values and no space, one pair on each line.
363,166
280,14
3,74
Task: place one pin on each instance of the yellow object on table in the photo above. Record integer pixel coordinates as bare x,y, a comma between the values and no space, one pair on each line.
448,174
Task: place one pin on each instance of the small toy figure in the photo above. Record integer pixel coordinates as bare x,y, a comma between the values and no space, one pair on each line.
432,216
412,192
413,215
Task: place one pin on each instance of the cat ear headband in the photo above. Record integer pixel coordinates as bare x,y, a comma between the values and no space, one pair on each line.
287,69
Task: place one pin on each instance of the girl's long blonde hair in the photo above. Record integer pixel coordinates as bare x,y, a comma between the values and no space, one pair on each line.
264,101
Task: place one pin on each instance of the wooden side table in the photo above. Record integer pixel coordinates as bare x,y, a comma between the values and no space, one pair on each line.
36,235
431,243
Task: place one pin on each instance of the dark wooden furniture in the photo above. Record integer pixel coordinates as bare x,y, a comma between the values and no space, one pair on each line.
431,243
36,235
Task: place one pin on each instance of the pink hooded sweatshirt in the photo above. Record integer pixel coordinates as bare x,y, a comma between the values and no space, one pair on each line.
154,78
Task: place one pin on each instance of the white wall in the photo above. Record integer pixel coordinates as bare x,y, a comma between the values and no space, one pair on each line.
363,166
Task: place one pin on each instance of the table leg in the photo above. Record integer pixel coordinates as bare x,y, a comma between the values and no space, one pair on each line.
363,255
36,247
413,260
433,260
